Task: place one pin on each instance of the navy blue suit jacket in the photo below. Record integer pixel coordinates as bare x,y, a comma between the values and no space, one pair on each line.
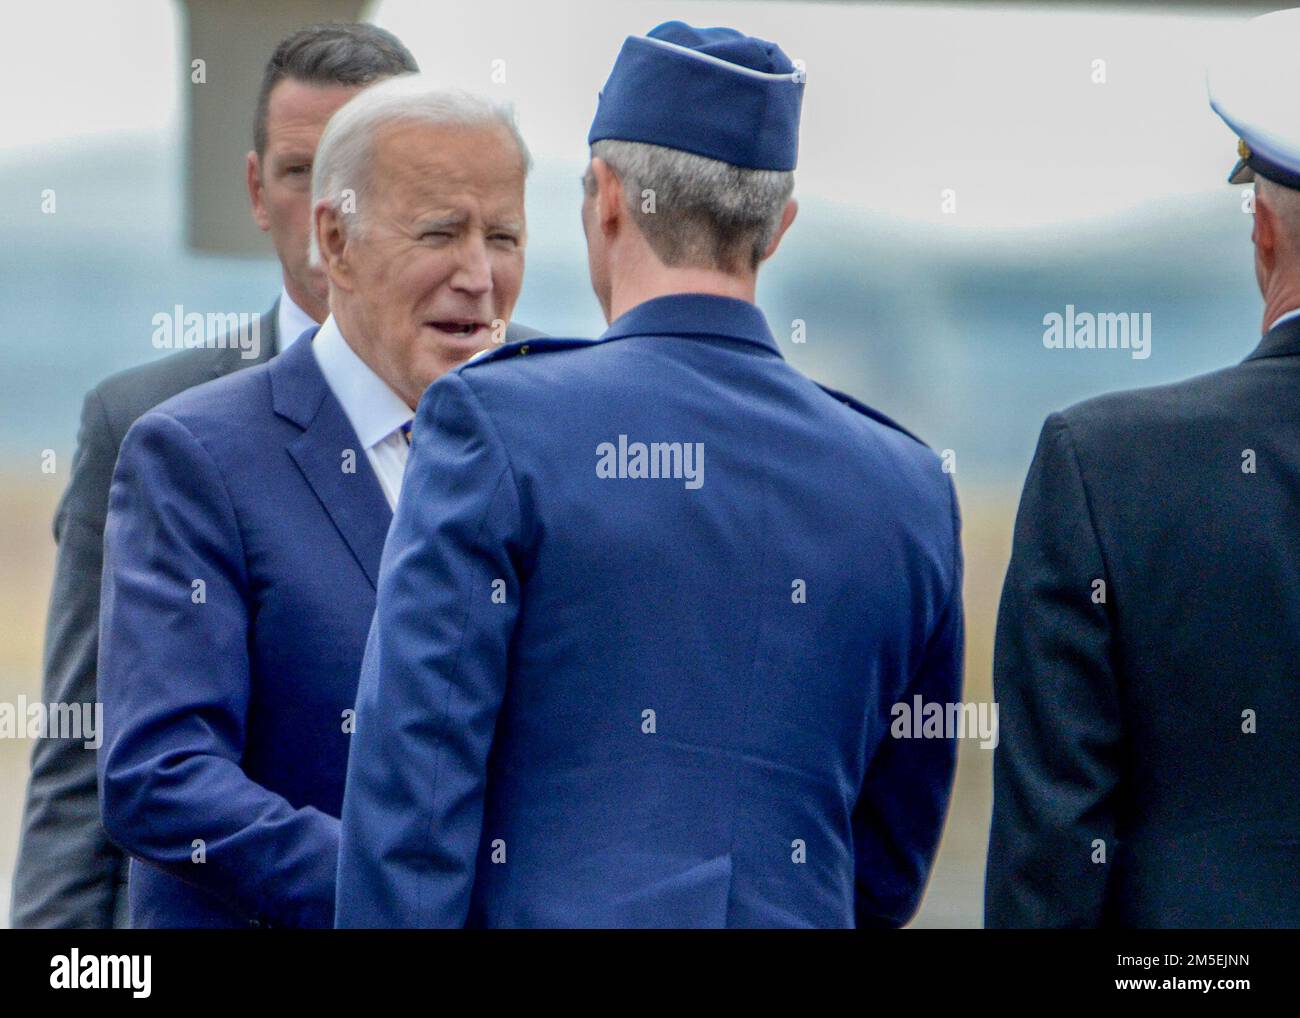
1148,773
243,541
640,701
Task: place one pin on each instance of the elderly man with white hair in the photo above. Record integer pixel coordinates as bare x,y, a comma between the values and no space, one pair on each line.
247,518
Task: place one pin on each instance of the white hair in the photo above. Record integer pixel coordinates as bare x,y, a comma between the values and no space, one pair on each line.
346,150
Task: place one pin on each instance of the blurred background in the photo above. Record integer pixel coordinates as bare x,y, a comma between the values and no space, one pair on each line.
964,171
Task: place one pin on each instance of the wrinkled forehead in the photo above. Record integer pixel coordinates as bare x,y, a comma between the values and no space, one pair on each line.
416,166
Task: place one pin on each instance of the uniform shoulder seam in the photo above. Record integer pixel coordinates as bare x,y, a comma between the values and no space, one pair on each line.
873,414
525,347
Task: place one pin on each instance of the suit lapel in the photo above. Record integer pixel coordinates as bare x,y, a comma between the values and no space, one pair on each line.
352,496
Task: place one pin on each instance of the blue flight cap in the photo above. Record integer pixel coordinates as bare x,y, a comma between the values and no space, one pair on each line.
1254,85
711,91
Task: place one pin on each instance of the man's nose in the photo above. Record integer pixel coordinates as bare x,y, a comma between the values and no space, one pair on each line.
474,273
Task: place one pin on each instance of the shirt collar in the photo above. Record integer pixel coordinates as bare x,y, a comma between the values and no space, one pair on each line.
1295,313
695,314
374,410
291,321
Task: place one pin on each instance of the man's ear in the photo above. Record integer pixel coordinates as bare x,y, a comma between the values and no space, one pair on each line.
787,217
609,197
332,241
1264,233
255,197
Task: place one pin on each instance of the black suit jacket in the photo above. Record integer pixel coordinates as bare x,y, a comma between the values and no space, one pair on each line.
69,874
1148,772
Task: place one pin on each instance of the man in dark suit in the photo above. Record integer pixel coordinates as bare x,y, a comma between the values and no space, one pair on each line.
1148,773
606,686
247,517
69,874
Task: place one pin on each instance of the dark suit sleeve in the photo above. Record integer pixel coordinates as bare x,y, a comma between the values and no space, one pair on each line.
175,680
900,812
69,875
1057,764
434,676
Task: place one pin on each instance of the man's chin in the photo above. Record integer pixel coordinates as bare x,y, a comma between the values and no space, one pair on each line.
457,344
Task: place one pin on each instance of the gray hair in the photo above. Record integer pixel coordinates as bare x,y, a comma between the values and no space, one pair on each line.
697,211
346,150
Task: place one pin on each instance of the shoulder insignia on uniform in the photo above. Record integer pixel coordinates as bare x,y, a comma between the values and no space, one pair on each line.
524,347
867,411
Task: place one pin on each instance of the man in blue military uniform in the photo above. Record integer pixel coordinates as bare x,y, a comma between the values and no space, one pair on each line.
606,686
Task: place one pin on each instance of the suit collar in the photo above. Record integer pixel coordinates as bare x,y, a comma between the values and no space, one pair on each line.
271,332
1283,340
695,314
330,455
268,338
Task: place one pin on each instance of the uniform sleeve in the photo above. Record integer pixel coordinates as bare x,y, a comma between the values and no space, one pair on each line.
434,675
175,681
900,813
68,873
1057,764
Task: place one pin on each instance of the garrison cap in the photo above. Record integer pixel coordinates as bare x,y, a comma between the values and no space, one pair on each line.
711,91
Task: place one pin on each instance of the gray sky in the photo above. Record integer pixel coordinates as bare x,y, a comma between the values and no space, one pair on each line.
901,101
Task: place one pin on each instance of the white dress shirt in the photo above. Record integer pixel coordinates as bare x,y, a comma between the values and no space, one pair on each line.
374,410
291,321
